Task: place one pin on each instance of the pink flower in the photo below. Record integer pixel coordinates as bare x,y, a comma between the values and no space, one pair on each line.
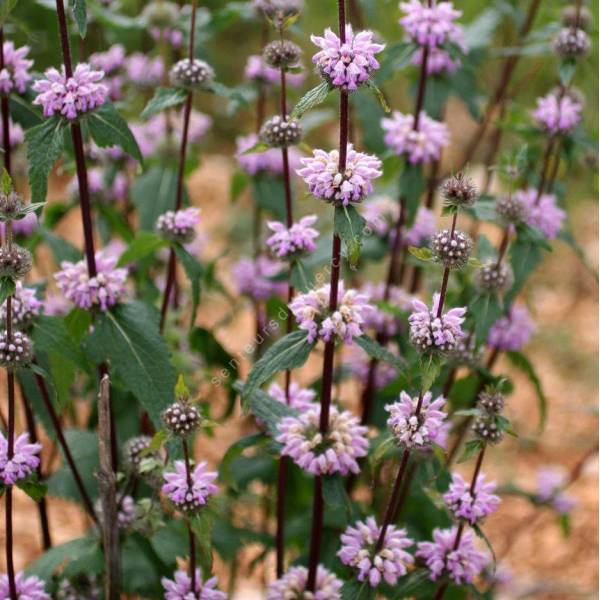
422,228
301,399
15,75
28,588
335,452
292,585
321,174
359,363
16,135
25,306
186,497
110,60
72,96
255,278
56,304
557,113
23,462
346,64
380,319
430,25
416,431
104,290
143,70
513,331
389,562
549,490
471,507
270,161
381,214
421,145
298,239
542,213
179,226
180,587
461,565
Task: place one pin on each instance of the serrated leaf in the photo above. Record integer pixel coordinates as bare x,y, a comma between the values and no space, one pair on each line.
49,562
349,226
379,95
311,99
290,352
421,253
158,439
128,339
44,147
108,128
51,335
472,447
7,288
164,98
269,410
143,245
375,350
335,495
80,15
36,490
430,369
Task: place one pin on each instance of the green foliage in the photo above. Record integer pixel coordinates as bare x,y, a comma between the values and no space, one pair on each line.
519,360
164,98
195,273
7,288
268,410
349,226
375,350
312,98
143,245
56,557
80,14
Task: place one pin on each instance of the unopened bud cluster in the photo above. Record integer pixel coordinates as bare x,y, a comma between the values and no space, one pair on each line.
581,18
15,261
191,73
571,43
512,209
451,249
15,350
282,54
11,206
486,426
181,418
494,277
281,132
135,451
459,191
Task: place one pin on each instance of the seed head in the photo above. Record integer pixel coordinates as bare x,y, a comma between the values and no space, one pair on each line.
281,133
571,42
16,351
512,209
486,429
191,73
15,262
133,451
459,191
181,418
491,401
453,251
11,206
282,54
494,277
161,14
570,18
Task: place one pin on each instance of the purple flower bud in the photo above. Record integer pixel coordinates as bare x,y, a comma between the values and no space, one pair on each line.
179,226
293,585
557,113
543,214
126,512
282,54
15,351
431,25
186,497
571,43
28,588
15,261
298,239
25,306
23,463
191,74
181,418
472,508
513,331
15,74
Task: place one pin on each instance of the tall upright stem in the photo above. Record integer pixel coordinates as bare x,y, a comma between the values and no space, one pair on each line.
191,537
327,379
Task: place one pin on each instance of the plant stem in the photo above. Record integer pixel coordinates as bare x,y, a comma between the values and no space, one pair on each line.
191,537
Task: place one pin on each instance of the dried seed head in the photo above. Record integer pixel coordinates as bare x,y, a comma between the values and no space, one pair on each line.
570,18
571,42
282,54
494,277
281,133
279,9
459,191
512,209
11,205
16,351
161,14
133,451
191,73
486,429
491,402
453,251
181,418
15,262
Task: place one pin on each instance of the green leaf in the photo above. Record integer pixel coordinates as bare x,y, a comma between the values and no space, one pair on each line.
239,182
268,193
349,226
335,495
36,490
477,529
202,525
379,95
7,288
290,352
215,355
164,98
158,439
412,585
421,253
269,410
311,99
195,272
357,590
44,147
108,128
128,339
6,184
80,15
60,248
519,360
430,371
472,447
143,245
6,6
565,524
51,335
48,563
375,350
258,147
566,71
485,310
233,452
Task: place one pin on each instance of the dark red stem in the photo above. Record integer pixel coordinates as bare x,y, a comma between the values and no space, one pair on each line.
191,537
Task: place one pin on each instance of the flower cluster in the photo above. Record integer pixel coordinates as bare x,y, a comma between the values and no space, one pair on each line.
452,249
300,399
72,96
380,319
430,25
143,70
557,113
412,430
25,306
126,511
346,64
181,418
549,489
180,587
513,331
471,507
279,132
346,322
104,290
359,363
15,74
259,71
15,351
389,562
461,565
179,226
380,214
292,585
421,144
324,454
135,450
189,498
269,161
28,588
299,238
23,462
191,73
255,278
422,229
430,333
322,175
543,213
